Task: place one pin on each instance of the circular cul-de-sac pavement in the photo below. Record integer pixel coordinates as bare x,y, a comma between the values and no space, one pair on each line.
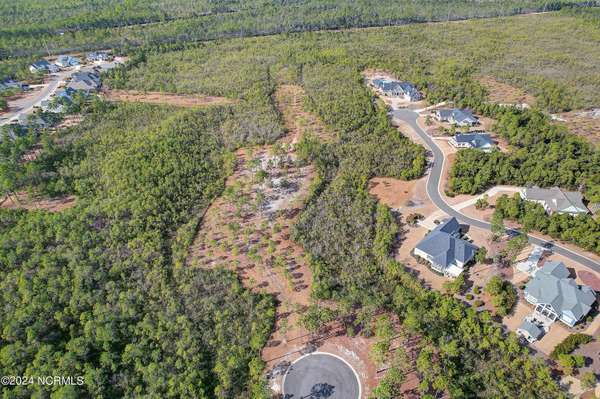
320,376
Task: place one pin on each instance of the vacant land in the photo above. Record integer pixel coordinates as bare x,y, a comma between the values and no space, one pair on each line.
164,98
502,93
248,231
24,201
583,123
91,24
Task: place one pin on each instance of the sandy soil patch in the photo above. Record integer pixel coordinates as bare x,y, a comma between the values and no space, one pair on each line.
503,93
22,200
396,194
583,123
248,230
68,121
165,98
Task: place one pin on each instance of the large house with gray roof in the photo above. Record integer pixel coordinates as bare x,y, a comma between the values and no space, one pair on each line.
66,61
476,140
557,296
455,116
554,200
86,81
43,66
395,88
445,250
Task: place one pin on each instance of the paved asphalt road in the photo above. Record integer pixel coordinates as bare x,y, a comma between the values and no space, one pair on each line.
26,103
433,191
322,376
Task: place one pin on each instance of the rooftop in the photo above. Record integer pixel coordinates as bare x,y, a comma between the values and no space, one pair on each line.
556,199
533,330
444,245
477,140
552,285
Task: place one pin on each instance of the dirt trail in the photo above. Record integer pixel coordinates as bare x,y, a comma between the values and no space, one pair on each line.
248,230
21,200
180,100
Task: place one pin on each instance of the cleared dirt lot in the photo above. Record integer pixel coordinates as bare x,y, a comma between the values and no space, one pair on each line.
502,93
583,123
248,230
179,100
23,201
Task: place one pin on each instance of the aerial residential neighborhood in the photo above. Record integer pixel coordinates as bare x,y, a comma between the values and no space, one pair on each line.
307,199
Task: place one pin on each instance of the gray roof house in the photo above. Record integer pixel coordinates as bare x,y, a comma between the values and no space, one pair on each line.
555,200
9,84
65,61
395,88
455,116
39,66
557,296
530,331
477,140
445,250
85,81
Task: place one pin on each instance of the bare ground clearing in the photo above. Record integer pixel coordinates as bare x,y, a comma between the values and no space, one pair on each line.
152,97
248,230
583,123
503,93
23,201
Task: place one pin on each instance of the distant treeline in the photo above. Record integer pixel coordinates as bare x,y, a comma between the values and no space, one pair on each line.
36,27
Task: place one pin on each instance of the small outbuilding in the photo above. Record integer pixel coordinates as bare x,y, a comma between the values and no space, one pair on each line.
530,331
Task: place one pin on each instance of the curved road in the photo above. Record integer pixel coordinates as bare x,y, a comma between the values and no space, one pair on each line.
433,191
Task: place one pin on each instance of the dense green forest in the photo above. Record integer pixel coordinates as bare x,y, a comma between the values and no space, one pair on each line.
34,27
582,230
97,291
543,153
343,229
106,276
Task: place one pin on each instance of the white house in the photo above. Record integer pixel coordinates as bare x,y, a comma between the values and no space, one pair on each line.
555,200
459,117
557,296
480,141
443,248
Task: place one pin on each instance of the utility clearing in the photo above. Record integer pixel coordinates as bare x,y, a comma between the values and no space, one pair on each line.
21,200
152,97
248,230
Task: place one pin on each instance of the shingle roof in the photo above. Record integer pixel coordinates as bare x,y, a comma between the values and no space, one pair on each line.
551,285
556,199
41,64
444,247
532,329
477,140
84,81
396,86
458,115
